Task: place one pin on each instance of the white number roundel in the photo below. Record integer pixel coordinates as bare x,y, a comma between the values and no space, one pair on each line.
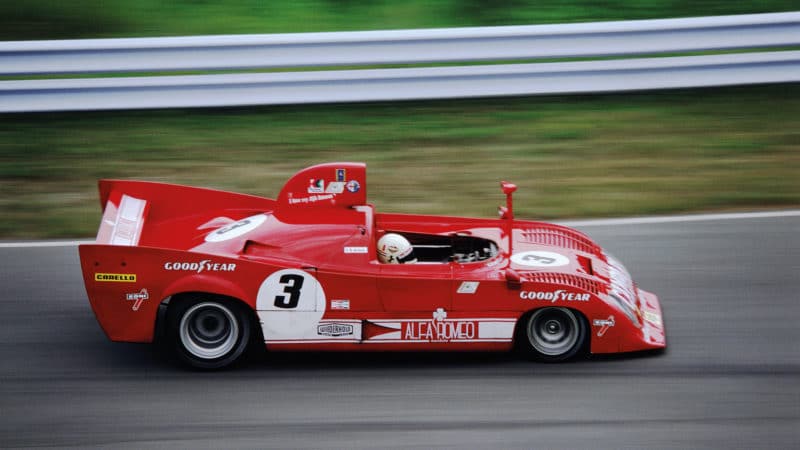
539,258
236,229
290,304
290,290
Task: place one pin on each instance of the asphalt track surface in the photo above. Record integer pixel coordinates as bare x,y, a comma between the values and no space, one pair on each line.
730,379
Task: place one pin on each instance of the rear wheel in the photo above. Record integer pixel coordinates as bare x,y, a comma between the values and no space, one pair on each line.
554,334
209,333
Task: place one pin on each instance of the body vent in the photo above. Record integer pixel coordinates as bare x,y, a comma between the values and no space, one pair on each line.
575,281
560,237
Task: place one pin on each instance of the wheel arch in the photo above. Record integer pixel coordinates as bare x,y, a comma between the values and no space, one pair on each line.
209,285
169,303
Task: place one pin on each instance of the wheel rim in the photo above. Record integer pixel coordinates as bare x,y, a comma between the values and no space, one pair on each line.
553,331
209,330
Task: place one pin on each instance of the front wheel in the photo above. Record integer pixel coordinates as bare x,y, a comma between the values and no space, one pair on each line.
554,334
210,333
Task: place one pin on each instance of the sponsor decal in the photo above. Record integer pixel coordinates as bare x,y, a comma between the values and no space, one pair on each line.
439,329
137,298
236,229
311,199
341,174
316,186
468,287
205,265
554,296
653,318
116,277
353,186
335,187
604,325
359,250
539,259
340,304
335,329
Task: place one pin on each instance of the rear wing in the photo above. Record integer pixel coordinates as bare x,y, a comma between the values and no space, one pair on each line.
123,220
143,213
149,214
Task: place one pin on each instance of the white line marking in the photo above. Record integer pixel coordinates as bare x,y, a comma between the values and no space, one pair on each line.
332,340
571,223
683,218
44,244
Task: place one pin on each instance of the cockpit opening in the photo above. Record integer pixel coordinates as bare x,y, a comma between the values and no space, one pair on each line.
434,248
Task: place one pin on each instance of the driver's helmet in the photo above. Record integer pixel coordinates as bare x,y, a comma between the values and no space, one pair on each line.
395,249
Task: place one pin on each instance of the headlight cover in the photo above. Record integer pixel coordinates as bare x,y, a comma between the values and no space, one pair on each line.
623,290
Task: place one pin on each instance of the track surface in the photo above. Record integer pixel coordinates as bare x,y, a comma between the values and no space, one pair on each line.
731,377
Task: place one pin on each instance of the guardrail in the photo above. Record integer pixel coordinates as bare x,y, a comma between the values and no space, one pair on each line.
400,46
398,84
403,47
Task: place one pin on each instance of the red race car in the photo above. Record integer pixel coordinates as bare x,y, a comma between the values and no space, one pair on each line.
208,272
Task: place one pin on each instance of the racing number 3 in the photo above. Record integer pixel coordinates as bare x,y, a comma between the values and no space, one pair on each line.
292,284
543,260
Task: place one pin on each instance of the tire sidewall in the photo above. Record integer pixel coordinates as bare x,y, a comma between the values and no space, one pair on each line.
176,314
527,348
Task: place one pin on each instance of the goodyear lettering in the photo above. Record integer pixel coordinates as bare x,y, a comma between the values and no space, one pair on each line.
116,277
554,296
205,265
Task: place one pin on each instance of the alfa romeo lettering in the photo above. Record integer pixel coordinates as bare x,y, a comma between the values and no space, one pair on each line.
436,331
554,296
205,265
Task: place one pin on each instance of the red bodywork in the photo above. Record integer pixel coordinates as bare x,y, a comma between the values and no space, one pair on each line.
306,265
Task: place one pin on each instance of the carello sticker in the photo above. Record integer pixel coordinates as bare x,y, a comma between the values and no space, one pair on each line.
116,277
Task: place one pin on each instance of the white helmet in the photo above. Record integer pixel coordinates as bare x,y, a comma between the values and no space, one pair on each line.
395,249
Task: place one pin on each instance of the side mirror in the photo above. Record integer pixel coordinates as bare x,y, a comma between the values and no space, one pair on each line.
502,211
513,279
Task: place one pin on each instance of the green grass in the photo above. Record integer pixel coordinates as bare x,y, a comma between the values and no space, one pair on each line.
56,19
572,156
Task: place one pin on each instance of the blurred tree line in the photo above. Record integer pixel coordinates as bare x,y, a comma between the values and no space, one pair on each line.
57,19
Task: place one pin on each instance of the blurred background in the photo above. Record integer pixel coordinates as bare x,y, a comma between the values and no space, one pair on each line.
54,19
661,152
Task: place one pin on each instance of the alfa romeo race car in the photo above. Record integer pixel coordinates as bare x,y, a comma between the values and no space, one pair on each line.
208,273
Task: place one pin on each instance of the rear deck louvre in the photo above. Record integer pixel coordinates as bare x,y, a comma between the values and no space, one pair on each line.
559,237
576,281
